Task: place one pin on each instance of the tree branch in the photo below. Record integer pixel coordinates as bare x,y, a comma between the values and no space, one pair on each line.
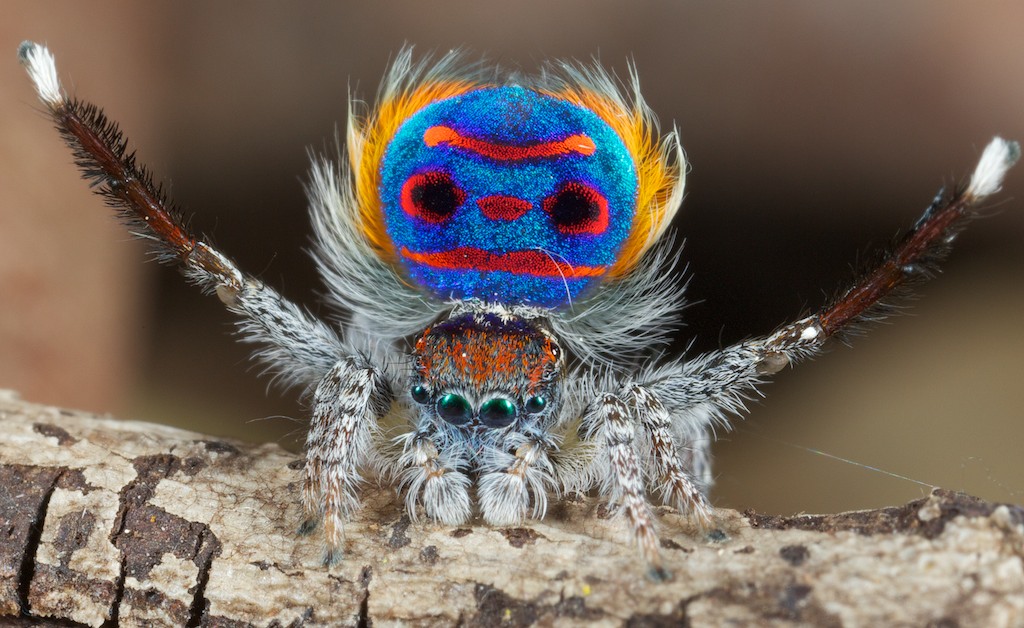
117,522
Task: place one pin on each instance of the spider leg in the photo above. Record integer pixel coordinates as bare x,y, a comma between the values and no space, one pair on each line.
433,481
709,385
505,493
607,420
346,405
302,348
676,486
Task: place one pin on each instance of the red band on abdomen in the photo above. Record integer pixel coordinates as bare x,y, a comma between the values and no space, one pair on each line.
535,263
507,152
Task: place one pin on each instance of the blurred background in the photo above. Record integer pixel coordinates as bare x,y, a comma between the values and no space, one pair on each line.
815,132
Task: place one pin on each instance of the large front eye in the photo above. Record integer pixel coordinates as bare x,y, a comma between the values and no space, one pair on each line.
431,196
497,413
454,409
577,209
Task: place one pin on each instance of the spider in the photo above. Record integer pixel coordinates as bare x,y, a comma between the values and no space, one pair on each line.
499,247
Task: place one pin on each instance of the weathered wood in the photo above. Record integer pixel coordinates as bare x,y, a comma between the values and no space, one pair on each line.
120,522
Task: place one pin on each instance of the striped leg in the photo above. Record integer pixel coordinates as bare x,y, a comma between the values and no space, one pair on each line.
674,478
608,422
346,406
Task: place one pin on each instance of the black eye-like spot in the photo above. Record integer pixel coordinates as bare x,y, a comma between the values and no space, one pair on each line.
431,196
454,409
535,405
498,412
577,209
420,394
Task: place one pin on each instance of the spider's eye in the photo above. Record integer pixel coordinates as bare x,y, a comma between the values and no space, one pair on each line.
420,394
577,209
498,412
431,196
454,409
535,405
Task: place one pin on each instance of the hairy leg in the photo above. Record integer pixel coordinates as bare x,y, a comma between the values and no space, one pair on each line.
608,422
677,487
346,406
716,383
296,346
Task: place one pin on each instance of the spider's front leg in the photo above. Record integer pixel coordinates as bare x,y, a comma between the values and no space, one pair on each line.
347,404
702,390
607,420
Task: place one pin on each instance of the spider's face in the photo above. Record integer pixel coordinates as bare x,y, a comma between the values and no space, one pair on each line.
485,371
507,195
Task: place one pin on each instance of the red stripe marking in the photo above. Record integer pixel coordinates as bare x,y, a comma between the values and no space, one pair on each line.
506,152
501,207
533,263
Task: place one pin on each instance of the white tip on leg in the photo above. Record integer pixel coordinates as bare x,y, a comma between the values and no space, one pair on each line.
997,158
42,69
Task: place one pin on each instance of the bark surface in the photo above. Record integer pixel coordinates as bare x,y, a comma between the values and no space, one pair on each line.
109,522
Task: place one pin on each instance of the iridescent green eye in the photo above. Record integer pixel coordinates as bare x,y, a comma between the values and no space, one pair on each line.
536,404
498,412
420,394
454,409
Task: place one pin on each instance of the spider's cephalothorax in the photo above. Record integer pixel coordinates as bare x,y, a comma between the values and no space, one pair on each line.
487,370
497,241
485,385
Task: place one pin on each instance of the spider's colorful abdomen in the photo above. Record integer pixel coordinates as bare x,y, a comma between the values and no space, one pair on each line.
507,195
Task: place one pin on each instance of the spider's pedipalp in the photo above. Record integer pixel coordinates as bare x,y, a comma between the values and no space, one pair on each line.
433,480
505,496
519,487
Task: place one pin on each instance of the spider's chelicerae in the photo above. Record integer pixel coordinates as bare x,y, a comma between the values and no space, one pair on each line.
497,244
